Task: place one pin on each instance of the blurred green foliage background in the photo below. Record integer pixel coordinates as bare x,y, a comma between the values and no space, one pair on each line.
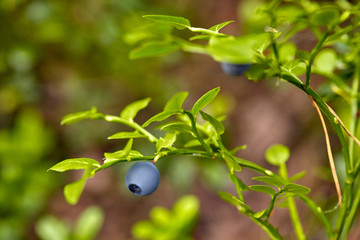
63,56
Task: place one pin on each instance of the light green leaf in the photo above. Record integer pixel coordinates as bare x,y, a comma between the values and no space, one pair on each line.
325,16
75,117
121,155
72,191
259,214
51,228
216,124
176,101
277,154
231,163
161,216
227,197
325,61
297,176
263,189
275,180
287,52
130,111
296,189
204,100
75,164
177,127
192,143
178,22
159,117
166,142
154,49
219,26
125,135
89,223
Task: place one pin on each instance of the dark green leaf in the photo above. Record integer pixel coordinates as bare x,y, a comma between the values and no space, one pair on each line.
263,189
75,164
166,142
275,180
277,154
325,16
75,117
159,117
154,49
176,101
296,189
125,135
219,26
178,22
204,100
216,124
130,111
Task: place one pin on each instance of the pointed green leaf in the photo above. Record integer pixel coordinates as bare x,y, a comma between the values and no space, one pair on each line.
176,127
216,124
75,117
121,155
277,154
259,214
297,176
130,111
275,180
154,49
296,189
239,185
75,164
166,142
231,163
192,143
159,117
176,101
72,191
235,150
263,189
125,135
227,197
178,22
204,100
219,26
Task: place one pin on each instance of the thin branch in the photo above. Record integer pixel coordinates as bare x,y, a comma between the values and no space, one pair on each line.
328,147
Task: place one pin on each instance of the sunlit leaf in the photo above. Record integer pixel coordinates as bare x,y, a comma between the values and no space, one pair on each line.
166,142
130,111
176,101
216,124
75,117
178,22
277,154
75,164
204,100
159,117
125,135
219,26
89,223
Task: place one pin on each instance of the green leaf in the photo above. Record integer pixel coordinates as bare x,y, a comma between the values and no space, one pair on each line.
125,135
231,163
263,189
277,154
219,26
177,127
192,143
166,142
178,22
89,223
176,101
259,214
51,228
121,155
235,150
325,16
275,180
216,124
75,164
204,100
297,176
227,197
72,191
325,61
296,189
287,52
75,117
159,117
239,185
154,49
130,111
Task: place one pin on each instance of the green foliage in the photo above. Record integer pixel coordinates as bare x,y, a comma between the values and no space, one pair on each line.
174,224
277,154
86,226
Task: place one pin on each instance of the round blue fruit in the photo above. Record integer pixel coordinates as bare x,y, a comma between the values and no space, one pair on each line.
142,178
234,69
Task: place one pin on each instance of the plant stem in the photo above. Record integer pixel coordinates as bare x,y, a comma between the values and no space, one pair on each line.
268,228
313,54
131,124
194,128
294,216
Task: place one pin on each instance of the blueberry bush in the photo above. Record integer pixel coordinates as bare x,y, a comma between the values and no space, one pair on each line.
268,53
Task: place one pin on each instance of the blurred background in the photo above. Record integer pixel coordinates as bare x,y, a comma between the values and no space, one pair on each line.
62,56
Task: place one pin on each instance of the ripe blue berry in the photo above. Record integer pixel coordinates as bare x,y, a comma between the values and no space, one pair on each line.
142,178
234,69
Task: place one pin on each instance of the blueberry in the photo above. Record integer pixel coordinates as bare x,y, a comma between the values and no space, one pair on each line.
142,178
234,69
